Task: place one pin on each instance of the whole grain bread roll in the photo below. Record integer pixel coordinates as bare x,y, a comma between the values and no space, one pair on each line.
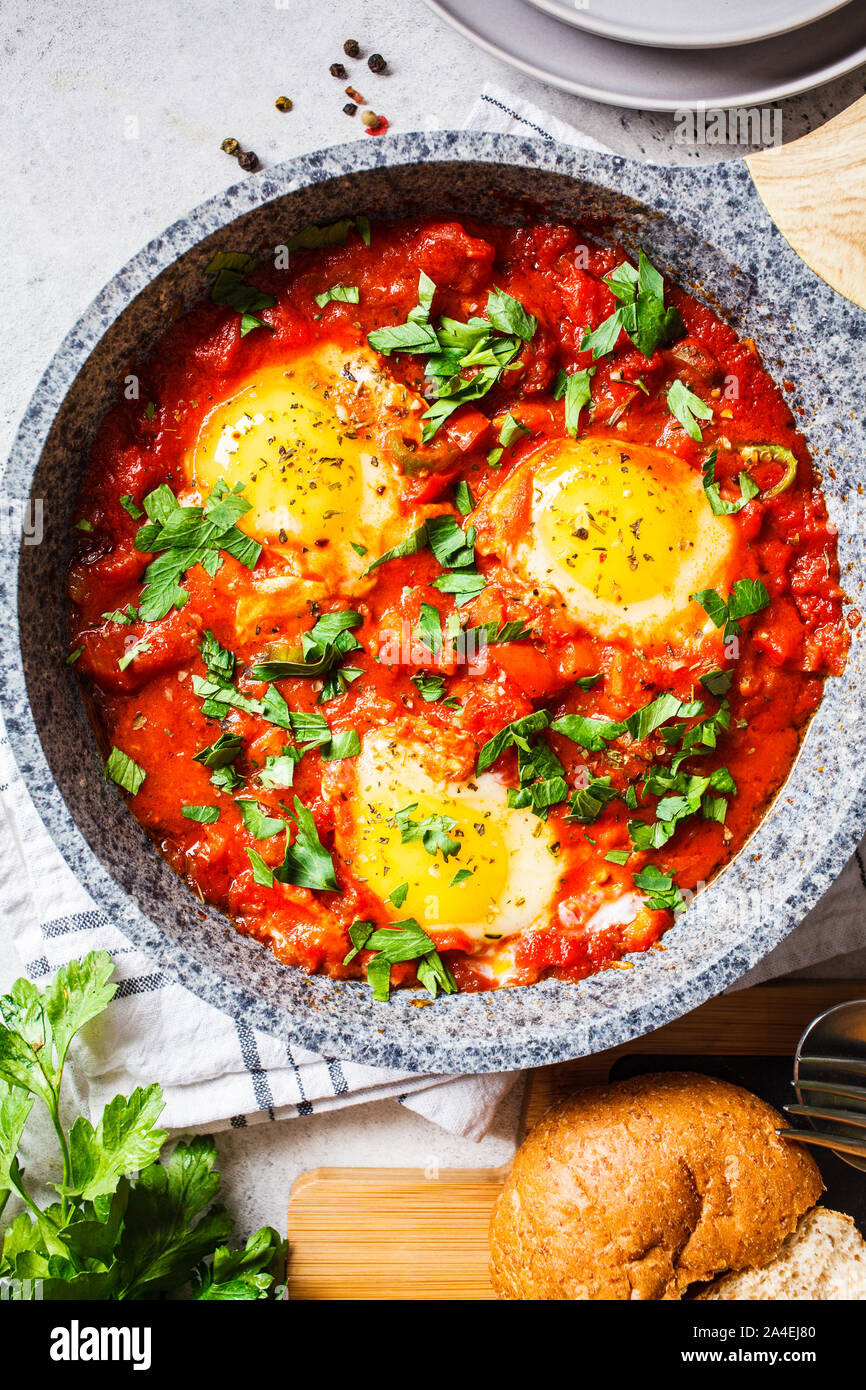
642,1188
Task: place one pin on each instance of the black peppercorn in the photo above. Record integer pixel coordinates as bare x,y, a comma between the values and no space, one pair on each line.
337,70
350,109
352,48
249,161
376,63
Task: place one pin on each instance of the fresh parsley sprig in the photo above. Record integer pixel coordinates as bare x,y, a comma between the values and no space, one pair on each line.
110,1236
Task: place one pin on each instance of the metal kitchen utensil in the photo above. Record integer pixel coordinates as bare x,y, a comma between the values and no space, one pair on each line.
829,1062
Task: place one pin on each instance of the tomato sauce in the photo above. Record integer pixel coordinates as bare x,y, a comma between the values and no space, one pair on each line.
149,708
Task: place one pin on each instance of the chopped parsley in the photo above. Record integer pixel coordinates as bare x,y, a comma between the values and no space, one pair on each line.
205,815
232,289
463,499
641,312
137,649
279,769
123,770
718,505
433,831
747,596
181,537
688,408
311,237
454,348
401,941
339,294
320,656
577,394
661,889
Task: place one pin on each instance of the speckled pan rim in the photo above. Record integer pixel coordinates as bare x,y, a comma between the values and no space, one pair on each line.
551,1021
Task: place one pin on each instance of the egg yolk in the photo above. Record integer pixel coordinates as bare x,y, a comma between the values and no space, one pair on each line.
384,861
618,520
624,532
300,467
498,875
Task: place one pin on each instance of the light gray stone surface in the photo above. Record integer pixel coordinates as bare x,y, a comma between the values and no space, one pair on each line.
113,118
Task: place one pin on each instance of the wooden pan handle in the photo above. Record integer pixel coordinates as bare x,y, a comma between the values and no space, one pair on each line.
815,191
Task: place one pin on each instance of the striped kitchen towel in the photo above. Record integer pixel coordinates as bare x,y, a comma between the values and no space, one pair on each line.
216,1072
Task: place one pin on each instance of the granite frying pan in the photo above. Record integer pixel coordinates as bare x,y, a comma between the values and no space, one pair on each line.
708,229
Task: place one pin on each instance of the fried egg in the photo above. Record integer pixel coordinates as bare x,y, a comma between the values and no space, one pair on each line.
502,877
300,439
623,532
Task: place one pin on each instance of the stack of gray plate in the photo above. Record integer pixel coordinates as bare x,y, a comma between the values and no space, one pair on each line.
661,55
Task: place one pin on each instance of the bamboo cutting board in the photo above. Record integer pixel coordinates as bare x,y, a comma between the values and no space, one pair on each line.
402,1233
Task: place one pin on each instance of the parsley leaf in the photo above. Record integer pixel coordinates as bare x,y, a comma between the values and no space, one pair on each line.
231,288
279,769
517,733
661,889
205,815
577,395
125,771
307,864
592,734
508,315
339,294
463,499
221,753
688,408
587,803
432,831
403,941
182,537
747,596
311,237
718,505
260,825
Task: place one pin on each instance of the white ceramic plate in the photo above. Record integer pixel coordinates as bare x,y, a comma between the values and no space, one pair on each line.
686,24
658,79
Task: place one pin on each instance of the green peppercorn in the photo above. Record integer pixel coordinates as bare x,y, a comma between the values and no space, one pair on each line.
284,103
231,147
376,63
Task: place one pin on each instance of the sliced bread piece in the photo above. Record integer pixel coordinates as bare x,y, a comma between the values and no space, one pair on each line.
824,1258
